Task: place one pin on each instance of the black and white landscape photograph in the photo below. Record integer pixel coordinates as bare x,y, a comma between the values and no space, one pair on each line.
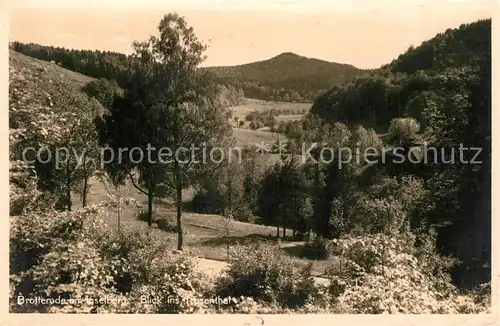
178,160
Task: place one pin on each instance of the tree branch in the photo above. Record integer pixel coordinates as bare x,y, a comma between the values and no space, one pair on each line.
135,185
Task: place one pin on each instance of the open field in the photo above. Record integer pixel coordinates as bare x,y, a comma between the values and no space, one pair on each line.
248,137
292,117
251,105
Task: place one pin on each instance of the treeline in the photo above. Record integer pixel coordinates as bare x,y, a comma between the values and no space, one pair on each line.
93,63
286,78
275,93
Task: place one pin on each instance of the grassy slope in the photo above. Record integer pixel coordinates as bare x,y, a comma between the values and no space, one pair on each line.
248,137
48,71
289,111
258,105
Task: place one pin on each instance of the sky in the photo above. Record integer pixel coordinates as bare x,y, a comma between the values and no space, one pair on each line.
363,33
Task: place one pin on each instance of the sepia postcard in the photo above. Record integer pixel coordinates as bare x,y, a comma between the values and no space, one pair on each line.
250,162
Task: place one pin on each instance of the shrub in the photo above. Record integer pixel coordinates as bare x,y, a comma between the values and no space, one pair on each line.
267,275
318,248
167,225
384,276
169,276
64,260
403,131
103,90
208,202
76,257
380,215
244,214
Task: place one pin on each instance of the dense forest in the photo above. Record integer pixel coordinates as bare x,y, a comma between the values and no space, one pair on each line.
387,236
438,66
444,87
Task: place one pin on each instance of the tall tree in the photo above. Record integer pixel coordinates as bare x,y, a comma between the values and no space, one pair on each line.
170,106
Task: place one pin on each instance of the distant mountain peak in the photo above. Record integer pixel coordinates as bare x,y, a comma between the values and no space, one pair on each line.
286,73
288,54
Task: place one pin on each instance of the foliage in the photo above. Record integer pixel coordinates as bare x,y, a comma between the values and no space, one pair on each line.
52,127
266,118
110,68
403,239
319,246
222,192
282,197
437,66
267,275
103,90
402,132
389,206
452,48
384,276
444,88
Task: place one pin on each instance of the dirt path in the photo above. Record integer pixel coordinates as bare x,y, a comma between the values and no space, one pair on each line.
215,268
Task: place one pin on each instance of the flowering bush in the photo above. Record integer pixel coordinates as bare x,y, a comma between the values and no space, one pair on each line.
388,205
159,272
267,275
54,254
389,278
77,256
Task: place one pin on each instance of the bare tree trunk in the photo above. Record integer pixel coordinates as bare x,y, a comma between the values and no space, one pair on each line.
178,190
84,192
230,189
150,208
119,217
68,188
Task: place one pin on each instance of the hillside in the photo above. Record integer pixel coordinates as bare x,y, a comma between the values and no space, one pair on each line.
446,63
47,70
111,66
42,94
286,77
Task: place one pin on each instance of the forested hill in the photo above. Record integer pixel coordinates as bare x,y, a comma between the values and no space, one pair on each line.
110,67
444,65
286,77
